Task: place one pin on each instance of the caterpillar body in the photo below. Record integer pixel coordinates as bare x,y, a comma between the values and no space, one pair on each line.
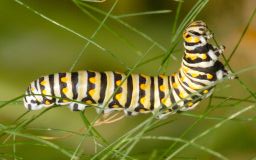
137,93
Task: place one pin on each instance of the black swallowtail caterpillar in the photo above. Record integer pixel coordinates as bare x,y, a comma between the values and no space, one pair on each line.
137,93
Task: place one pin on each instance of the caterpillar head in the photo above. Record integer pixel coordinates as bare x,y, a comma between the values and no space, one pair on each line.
197,29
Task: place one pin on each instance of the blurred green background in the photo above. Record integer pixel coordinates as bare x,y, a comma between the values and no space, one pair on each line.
31,46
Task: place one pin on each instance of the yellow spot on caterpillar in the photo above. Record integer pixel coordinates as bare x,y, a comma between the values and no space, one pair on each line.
194,74
65,90
47,102
162,88
190,104
142,110
118,82
43,83
192,39
92,79
204,56
182,79
163,100
118,96
142,100
88,102
32,89
143,86
91,92
64,79
65,101
209,76
205,91
193,57
115,106
181,95
192,86
185,69
174,85
44,92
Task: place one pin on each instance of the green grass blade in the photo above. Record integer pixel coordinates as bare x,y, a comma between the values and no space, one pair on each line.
142,13
234,115
47,143
203,148
92,36
197,8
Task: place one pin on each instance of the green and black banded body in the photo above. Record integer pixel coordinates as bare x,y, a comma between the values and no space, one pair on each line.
137,93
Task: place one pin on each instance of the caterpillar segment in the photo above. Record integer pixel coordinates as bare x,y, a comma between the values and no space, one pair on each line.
137,93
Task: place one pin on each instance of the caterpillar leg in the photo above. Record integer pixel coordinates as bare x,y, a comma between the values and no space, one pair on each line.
165,114
130,113
218,51
221,49
76,106
208,35
229,74
106,109
187,107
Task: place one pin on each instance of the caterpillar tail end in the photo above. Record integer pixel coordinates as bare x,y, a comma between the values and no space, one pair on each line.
31,103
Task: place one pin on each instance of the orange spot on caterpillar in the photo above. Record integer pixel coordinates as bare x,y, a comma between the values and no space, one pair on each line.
88,102
65,90
209,76
181,95
143,86
43,83
190,104
192,86
92,79
118,96
64,79
192,39
163,100
142,100
194,74
205,91
115,106
92,92
65,101
185,69
203,56
142,110
118,82
174,85
192,57
44,92
162,88
47,102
